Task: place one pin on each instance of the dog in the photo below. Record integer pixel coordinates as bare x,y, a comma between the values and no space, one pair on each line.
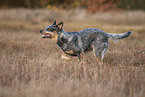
76,43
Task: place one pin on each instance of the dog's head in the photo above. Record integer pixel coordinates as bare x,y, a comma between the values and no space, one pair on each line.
52,31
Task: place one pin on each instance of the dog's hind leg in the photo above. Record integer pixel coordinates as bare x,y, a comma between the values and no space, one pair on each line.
99,50
97,57
103,53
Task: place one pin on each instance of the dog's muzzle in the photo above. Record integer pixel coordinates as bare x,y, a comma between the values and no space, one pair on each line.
45,35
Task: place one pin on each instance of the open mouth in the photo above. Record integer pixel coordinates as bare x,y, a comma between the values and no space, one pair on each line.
46,35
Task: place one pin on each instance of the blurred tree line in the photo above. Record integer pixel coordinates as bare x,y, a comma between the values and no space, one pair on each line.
90,5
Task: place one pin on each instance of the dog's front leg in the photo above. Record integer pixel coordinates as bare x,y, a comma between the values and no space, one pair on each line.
81,58
65,57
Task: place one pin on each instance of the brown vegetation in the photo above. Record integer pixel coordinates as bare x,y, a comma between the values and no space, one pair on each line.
100,5
31,66
91,5
37,15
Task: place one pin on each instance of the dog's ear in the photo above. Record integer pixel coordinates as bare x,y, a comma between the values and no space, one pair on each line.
60,25
54,23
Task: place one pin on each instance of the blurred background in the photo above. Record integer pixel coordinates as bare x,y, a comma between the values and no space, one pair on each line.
90,5
113,11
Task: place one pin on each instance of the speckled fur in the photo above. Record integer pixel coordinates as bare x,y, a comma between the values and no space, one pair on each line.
83,40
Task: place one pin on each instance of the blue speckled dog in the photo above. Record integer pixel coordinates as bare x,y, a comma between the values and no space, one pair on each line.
76,43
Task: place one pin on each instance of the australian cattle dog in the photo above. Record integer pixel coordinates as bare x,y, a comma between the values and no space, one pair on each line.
76,43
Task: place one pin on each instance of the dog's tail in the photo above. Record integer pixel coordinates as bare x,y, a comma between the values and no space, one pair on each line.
116,37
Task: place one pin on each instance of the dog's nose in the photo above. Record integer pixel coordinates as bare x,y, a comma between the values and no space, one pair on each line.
41,31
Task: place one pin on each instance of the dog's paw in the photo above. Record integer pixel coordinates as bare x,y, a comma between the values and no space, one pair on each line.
65,58
84,62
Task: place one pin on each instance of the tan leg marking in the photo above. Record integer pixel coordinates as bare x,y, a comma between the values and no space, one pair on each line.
69,52
82,59
94,51
65,57
98,58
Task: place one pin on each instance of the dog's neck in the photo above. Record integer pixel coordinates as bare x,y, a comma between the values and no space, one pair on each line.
65,35
62,32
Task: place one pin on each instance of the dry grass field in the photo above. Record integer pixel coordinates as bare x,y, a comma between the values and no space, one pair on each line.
31,66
